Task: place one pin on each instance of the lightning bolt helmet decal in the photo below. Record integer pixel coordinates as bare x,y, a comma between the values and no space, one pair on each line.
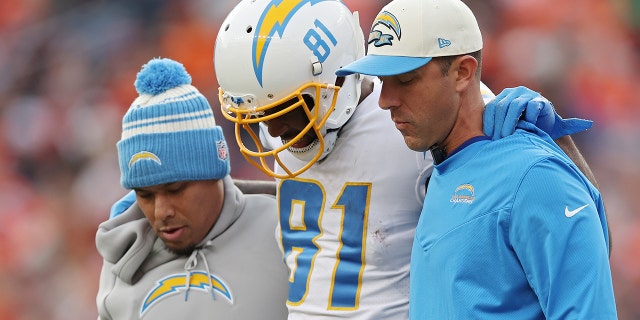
273,20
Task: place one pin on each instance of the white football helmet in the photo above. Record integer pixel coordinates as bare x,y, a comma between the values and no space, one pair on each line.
271,52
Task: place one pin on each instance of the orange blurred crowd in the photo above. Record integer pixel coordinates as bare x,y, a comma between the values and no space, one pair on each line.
67,71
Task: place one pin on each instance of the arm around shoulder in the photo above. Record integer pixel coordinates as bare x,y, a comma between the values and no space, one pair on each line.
567,145
256,186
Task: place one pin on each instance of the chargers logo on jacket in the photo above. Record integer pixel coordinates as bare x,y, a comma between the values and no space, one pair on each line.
273,20
464,193
174,284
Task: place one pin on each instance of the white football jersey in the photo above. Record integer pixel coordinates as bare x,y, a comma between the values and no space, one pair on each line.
347,223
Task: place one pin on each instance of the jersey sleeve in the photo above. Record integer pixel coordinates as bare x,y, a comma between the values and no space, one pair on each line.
559,234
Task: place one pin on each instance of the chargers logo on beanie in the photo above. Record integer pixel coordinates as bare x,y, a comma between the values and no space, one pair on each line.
144,155
169,133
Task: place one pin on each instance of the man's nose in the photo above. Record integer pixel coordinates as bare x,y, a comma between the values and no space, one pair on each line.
385,101
163,208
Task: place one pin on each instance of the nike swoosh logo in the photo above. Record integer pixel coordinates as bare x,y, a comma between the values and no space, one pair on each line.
571,213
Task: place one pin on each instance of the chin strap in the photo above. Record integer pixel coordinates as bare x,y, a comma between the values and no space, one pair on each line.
329,142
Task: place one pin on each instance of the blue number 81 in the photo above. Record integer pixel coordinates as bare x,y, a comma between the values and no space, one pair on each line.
316,44
299,239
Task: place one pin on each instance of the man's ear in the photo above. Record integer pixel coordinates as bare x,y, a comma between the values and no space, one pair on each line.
465,67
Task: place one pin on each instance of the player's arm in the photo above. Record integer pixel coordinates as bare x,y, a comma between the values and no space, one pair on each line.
569,147
256,186
514,104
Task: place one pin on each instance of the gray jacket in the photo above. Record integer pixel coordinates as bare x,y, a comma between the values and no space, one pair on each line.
247,279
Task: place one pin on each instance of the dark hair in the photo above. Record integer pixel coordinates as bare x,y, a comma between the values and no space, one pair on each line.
445,62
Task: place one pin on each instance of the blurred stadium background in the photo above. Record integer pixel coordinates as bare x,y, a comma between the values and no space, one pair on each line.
66,78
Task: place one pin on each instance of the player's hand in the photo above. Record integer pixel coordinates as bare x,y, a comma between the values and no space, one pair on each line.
123,204
502,114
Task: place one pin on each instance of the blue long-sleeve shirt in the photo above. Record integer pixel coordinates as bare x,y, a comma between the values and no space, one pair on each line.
511,229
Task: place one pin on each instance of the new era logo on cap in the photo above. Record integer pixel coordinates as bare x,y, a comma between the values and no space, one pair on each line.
443,43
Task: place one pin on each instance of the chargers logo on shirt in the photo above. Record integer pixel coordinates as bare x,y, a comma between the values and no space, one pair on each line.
463,194
175,283
273,20
388,20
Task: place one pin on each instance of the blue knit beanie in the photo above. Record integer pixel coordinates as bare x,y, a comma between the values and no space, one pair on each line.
169,133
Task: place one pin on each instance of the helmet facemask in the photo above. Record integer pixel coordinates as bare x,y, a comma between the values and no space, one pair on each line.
245,118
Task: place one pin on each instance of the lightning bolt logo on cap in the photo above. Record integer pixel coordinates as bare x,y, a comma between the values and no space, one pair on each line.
144,155
388,20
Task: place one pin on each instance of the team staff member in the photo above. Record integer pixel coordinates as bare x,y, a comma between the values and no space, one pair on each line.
194,246
510,228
